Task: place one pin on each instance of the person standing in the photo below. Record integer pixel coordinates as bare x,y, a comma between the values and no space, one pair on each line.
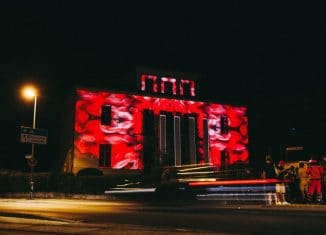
293,184
314,172
280,187
303,181
268,169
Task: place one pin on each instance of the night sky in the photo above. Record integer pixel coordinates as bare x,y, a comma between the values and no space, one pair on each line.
269,57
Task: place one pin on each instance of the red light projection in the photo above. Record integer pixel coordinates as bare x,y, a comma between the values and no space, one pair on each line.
171,81
154,82
124,134
152,78
192,87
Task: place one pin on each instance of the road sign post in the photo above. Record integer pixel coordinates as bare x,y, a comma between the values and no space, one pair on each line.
32,136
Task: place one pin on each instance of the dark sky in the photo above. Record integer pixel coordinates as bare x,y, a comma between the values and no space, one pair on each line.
267,56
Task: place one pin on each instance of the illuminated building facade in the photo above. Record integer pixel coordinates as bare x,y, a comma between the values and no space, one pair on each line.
164,124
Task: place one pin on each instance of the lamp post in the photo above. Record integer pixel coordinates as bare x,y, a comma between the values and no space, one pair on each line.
30,92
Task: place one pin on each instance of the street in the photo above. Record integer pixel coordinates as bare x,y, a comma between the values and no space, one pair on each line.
69,216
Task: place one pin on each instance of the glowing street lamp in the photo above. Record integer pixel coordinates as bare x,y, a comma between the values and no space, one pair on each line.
30,92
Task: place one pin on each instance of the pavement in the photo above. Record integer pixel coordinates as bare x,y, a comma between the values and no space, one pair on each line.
209,205
290,208
11,223
14,225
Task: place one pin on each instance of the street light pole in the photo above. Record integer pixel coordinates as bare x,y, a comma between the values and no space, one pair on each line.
30,92
31,182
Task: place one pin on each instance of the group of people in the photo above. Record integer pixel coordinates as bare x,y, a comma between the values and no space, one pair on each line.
305,181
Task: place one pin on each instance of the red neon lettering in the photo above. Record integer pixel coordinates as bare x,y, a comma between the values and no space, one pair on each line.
171,81
144,78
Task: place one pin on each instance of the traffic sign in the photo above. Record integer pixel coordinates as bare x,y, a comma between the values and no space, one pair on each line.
33,135
294,148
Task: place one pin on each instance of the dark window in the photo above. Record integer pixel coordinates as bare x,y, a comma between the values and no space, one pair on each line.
105,155
106,115
148,122
224,125
225,160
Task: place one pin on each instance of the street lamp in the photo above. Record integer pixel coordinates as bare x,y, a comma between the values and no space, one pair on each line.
30,92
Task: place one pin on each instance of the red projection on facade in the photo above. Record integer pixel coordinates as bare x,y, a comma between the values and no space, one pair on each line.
171,81
192,87
124,133
152,78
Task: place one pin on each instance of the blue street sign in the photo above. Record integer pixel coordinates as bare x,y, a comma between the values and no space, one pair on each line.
33,135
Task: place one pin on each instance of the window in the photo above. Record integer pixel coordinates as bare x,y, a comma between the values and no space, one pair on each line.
106,115
105,155
224,124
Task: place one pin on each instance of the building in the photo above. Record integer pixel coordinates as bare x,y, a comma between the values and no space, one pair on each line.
164,124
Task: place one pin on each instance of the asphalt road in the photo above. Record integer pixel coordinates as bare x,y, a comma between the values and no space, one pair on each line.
68,216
